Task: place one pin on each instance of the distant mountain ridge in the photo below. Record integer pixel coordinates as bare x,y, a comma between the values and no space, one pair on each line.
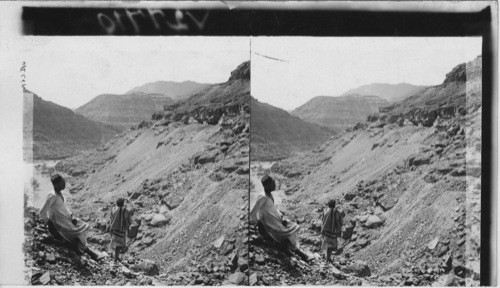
123,110
339,113
389,92
277,134
174,90
54,132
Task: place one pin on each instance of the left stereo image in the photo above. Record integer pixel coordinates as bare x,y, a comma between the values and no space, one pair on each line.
136,160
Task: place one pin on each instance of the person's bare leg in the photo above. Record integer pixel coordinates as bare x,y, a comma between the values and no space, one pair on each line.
117,251
329,255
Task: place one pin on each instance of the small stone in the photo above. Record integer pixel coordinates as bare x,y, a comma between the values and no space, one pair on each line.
259,259
253,279
50,258
432,245
228,249
45,278
147,241
243,264
218,243
237,278
337,273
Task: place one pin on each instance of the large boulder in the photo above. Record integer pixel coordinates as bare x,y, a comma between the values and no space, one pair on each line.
147,267
347,231
349,196
373,221
359,269
218,243
422,160
134,194
448,280
133,230
316,225
387,203
159,220
237,278
203,158
253,279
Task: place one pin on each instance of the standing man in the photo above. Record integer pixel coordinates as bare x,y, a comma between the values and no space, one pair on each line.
331,229
60,220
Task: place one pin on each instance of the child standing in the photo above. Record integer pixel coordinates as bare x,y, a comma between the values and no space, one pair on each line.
331,229
120,221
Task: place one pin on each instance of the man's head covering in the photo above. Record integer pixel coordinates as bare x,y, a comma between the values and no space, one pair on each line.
268,183
56,179
331,203
120,202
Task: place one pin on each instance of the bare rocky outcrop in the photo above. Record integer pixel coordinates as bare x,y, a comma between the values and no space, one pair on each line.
209,106
444,101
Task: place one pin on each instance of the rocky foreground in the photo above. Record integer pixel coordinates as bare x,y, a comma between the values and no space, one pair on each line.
50,262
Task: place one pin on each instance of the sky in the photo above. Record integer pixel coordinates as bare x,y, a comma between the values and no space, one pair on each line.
289,71
71,71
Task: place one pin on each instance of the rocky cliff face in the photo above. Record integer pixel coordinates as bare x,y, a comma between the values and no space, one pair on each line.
174,90
241,73
339,113
440,102
55,132
125,110
213,104
388,92
277,134
411,193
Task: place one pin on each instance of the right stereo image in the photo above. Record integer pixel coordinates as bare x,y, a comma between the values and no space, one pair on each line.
365,161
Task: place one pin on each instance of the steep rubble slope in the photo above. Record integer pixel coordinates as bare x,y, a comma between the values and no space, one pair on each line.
339,113
411,190
277,134
187,183
54,132
389,92
175,90
124,110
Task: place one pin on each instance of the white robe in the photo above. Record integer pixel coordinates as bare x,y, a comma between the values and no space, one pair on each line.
266,213
57,212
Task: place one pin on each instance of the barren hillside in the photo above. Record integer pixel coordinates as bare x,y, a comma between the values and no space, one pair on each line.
339,113
409,180
123,111
277,134
56,132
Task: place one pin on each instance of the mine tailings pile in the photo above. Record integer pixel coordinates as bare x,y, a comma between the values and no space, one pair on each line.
186,179
409,180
